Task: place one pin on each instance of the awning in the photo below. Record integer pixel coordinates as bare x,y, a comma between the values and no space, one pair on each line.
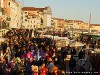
95,37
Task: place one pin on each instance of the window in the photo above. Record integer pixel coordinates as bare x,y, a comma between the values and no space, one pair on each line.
26,16
9,3
41,20
25,12
25,19
28,21
33,17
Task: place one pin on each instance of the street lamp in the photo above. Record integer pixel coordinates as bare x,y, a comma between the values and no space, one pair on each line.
53,36
82,32
72,32
53,31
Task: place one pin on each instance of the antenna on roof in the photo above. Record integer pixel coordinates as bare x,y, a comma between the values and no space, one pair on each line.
89,31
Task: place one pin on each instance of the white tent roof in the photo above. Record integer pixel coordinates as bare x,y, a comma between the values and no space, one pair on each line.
46,36
63,38
55,37
97,50
2,39
76,44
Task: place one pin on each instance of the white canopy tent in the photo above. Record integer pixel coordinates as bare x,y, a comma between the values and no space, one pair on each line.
60,38
55,37
97,50
48,36
2,39
61,41
76,44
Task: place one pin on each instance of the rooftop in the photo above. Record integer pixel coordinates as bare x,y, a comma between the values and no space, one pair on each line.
57,18
74,21
95,24
33,9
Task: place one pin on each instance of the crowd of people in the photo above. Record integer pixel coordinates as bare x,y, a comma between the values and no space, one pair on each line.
20,54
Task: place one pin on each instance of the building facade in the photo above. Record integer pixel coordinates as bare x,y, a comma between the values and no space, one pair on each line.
30,19
1,11
13,12
95,27
3,22
36,17
2,3
76,24
59,24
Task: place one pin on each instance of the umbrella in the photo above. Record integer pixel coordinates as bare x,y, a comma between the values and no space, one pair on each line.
76,44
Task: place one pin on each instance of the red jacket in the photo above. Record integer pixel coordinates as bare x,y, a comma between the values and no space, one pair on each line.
43,71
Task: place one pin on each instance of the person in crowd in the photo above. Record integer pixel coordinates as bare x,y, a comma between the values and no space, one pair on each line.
43,70
21,54
28,67
64,52
72,64
50,66
34,69
81,54
18,53
54,70
82,70
73,51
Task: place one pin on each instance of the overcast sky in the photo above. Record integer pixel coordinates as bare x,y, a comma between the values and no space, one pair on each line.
70,9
